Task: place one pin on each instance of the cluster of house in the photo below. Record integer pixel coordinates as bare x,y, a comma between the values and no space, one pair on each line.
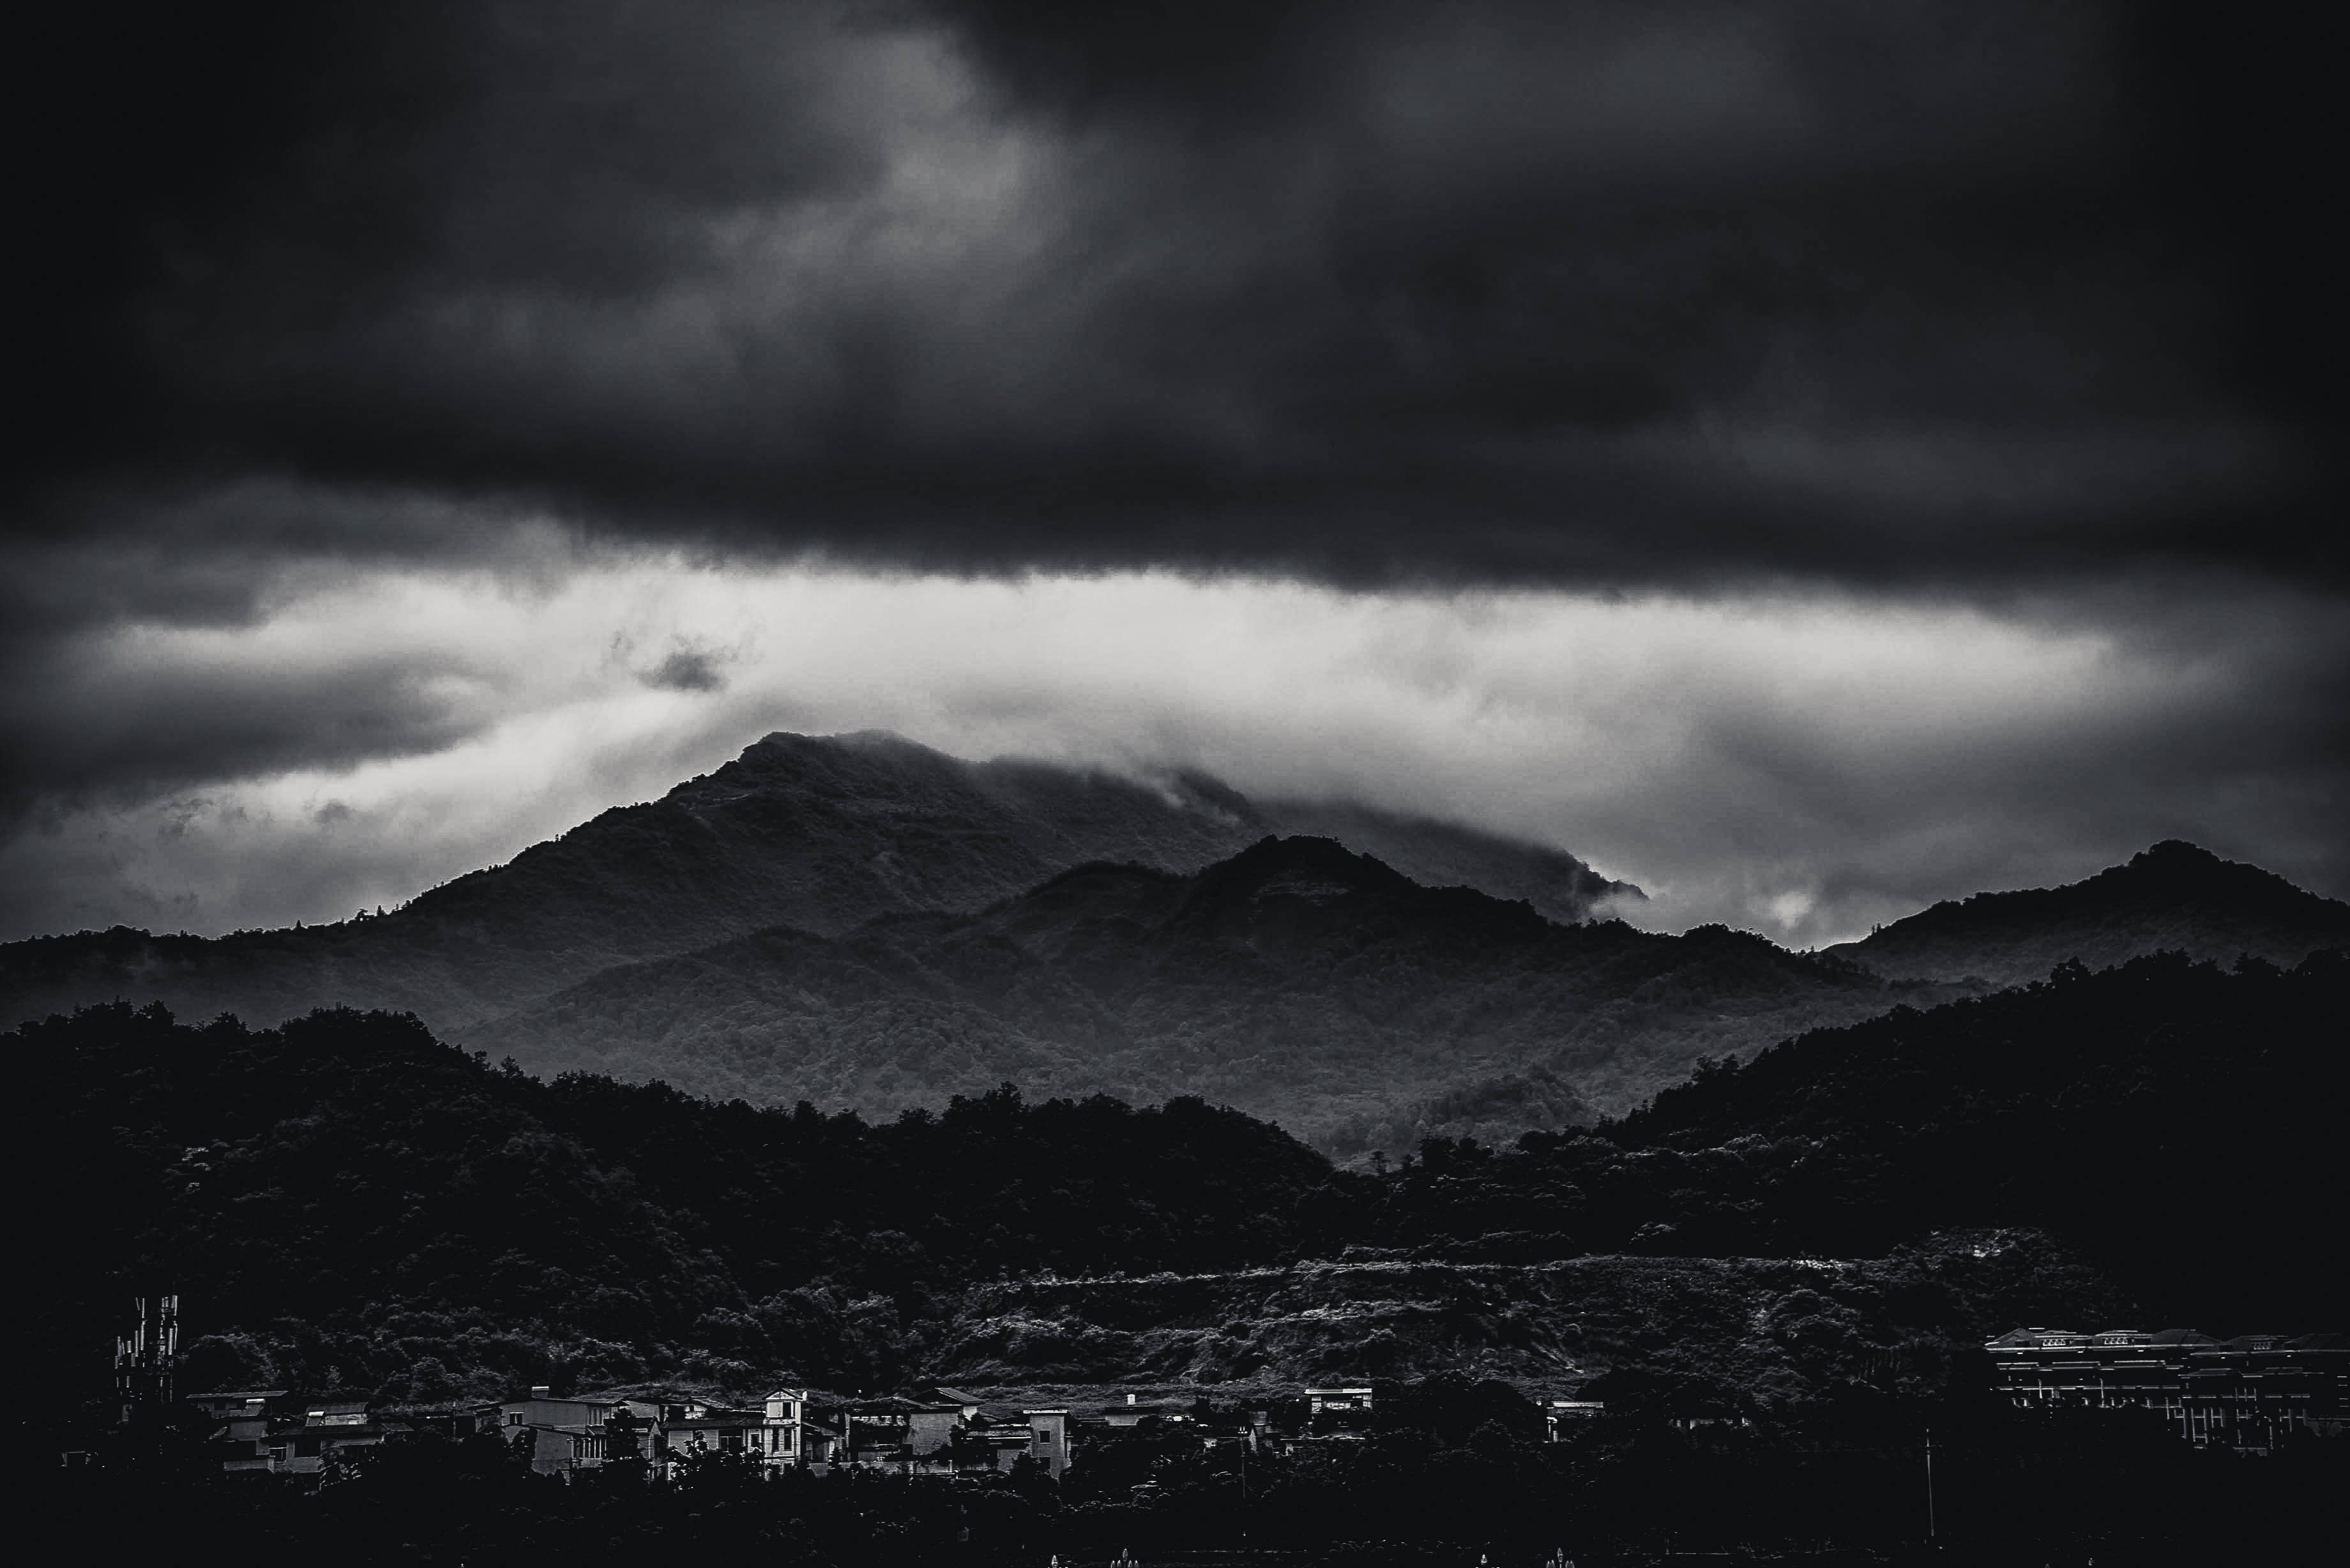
2252,1394
943,1432
265,1430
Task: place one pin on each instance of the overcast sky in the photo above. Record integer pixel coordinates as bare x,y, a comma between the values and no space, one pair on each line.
1808,458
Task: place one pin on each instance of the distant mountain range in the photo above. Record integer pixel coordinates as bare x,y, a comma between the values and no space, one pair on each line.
864,922
817,833
1296,981
2173,896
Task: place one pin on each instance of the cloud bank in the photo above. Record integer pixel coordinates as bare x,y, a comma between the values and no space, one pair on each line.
1801,763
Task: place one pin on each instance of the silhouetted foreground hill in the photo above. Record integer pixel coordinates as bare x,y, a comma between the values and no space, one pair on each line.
2173,898
347,1193
822,834
2176,1122
347,1202
1296,981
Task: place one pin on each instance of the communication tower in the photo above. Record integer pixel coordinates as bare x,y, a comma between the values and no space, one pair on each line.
144,1357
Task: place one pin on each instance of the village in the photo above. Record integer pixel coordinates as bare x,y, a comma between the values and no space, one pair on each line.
941,1432
2251,1394
2254,1394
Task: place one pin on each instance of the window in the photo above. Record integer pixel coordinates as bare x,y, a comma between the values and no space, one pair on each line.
1044,1437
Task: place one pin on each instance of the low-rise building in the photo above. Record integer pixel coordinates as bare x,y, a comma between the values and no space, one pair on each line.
259,1431
1049,1440
1136,1410
242,1419
968,1403
2252,1393
1351,1401
714,1430
539,1407
224,1404
1561,1414
563,1435
873,1433
931,1428
787,1432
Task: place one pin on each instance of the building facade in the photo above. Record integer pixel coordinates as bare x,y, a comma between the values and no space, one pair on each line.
261,1431
2252,1394
1561,1415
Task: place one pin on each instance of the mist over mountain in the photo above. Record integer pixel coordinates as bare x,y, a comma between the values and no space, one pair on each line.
1296,981
2171,898
819,832
1446,854
867,923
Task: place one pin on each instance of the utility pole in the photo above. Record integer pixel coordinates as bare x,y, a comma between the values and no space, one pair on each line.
1929,1486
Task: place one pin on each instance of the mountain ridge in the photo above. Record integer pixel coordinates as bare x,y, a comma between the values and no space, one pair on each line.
866,921
1297,981
2171,895
822,833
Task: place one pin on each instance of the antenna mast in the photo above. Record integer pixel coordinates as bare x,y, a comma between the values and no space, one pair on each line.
144,1357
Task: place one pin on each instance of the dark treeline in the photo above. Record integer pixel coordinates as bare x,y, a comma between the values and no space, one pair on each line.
346,1202
372,1205
2176,1122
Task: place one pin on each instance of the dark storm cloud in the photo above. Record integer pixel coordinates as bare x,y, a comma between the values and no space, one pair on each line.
112,689
106,719
1668,291
686,670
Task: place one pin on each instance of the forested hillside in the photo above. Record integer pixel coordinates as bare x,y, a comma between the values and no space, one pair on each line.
1297,981
2177,1122
347,1202
359,1195
2172,898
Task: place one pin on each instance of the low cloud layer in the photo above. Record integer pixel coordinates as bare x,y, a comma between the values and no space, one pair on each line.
1800,763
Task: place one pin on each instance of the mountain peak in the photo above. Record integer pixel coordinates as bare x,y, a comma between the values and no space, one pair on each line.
872,740
2170,895
1318,870
2175,851
1305,888
884,746
2177,870
1281,854
2176,864
817,833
